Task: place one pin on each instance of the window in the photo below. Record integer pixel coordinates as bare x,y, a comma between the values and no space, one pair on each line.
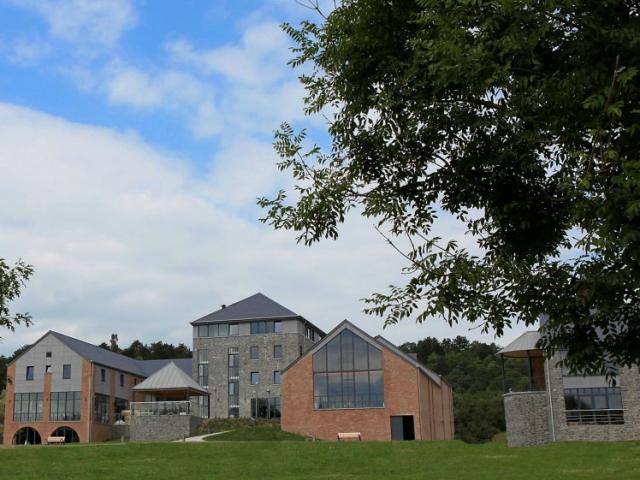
120,405
103,375
47,355
29,374
254,352
203,356
234,382
122,380
594,406
277,351
66,371
263,326
203,368
277,326
27,407
347,373
65,406
216,330
101,408
203,331
276,377
203,374
234,329
255,378
265,407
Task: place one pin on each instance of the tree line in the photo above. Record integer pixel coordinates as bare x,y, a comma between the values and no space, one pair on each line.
474,371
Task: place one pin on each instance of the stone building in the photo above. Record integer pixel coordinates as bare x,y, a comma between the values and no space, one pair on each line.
559,405
240,351
351,384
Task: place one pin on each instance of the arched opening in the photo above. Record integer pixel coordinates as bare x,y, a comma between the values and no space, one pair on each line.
69,434
27,436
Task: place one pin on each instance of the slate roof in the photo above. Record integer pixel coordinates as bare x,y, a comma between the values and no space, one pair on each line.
255,307
95,354
170,377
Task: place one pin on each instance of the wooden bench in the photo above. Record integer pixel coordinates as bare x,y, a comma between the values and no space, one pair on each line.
55,440
349,436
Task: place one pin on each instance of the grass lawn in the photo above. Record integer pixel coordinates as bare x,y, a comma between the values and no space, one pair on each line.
322,460
257,433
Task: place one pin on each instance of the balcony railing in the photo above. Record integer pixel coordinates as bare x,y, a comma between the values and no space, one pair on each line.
185,407
595,417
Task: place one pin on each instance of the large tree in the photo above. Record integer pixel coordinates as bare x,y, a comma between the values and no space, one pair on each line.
519,119
12,280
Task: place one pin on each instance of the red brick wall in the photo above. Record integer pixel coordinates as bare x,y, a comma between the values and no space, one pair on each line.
402,396
45,428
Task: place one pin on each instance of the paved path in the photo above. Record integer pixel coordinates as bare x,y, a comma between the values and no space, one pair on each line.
200,438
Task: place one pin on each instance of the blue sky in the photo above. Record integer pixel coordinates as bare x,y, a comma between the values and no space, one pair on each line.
134,138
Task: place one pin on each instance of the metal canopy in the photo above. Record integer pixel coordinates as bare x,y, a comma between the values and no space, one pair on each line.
170,378
522,347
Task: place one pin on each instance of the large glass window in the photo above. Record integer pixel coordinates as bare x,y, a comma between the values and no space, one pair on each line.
347,373
234,329
203,331
234,382
203,368
594,405
27,407
265,407
265,326
101,408
65,406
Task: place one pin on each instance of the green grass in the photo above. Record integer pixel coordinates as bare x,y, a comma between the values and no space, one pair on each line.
323,460
268,433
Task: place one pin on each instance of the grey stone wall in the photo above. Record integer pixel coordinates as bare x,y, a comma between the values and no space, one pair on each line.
629,382
527,418
217,351
162,427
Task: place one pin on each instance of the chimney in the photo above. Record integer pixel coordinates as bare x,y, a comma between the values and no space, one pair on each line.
223,306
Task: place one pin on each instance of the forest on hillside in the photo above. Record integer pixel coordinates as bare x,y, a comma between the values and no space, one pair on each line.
474,371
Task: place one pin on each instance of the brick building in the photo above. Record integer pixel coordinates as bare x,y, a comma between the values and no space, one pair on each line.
62,386
350,382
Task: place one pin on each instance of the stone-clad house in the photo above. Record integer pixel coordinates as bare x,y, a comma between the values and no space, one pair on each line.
559,405
240,351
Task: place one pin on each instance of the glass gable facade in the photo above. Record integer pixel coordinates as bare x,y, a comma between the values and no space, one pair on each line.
347,373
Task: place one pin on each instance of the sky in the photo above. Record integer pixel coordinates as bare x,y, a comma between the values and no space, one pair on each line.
135,136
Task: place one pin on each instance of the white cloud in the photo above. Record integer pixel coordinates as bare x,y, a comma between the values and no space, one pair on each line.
124,239
259,58
84,23
169,90
25,52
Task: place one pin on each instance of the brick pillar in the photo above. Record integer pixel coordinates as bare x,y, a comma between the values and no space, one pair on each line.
9,427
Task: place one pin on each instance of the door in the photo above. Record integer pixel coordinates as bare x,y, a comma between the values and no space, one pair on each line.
402,427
